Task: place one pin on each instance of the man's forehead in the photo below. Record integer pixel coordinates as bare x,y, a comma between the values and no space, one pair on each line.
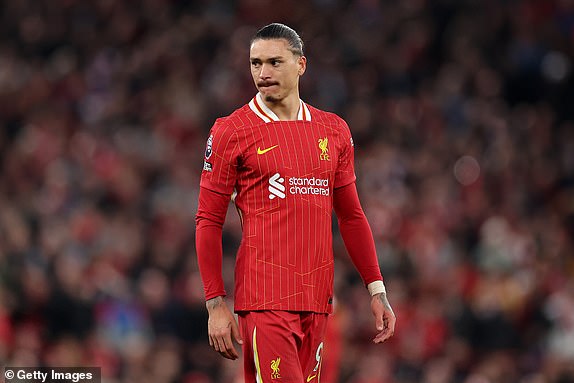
270,48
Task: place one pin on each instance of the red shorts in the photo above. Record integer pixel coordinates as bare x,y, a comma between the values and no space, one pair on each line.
282,346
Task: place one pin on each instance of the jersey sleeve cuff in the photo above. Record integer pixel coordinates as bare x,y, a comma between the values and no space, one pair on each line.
214,294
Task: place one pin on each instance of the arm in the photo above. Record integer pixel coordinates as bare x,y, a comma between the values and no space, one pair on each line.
360,245
221,325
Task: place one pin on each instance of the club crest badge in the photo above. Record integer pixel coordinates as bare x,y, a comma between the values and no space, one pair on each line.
323,142
275,368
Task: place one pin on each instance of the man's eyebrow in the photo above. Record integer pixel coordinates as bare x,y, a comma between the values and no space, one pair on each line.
267,59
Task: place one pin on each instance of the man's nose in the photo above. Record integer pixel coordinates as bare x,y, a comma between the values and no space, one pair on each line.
265,71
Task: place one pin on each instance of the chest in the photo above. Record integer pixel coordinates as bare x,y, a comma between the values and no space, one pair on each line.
293,148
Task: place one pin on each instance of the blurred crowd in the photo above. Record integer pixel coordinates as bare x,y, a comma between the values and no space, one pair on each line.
462,113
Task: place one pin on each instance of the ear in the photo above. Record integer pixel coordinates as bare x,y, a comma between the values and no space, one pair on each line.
302,63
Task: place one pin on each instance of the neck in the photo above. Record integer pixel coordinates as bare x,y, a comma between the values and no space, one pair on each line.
286,109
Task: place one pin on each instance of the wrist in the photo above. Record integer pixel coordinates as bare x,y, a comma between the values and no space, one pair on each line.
214,303
376,287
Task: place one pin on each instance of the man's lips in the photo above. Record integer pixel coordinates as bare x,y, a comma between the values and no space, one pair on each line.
266,84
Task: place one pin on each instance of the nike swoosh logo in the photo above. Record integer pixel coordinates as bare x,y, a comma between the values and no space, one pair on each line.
263,151
311,377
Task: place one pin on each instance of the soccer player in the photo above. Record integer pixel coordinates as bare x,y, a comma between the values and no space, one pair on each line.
286,165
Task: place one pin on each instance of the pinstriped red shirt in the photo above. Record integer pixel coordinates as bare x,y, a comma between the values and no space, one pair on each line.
282,175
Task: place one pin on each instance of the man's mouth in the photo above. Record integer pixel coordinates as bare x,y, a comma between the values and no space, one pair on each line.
266,84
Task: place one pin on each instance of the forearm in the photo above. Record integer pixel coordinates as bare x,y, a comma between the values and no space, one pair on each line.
357,236
210,216
209,257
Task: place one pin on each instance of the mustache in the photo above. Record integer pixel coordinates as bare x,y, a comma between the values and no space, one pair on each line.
267,83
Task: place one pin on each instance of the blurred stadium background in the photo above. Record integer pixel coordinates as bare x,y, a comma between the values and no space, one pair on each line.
462,113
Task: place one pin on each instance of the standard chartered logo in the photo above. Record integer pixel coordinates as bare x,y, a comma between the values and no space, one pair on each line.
276,187
297,185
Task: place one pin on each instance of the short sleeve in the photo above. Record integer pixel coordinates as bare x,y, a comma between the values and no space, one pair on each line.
221,159
345,173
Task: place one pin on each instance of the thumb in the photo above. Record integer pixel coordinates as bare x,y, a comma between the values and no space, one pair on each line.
235,333
379,314
379,323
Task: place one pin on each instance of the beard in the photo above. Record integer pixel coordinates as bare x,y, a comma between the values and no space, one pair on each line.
272,95
271,98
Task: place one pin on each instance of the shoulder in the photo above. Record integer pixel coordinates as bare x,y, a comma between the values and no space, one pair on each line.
240,118
328,118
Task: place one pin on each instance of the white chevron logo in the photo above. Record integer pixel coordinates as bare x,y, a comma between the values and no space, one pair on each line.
276,187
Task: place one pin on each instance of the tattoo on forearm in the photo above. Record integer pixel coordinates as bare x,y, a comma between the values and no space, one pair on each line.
214,303
383,298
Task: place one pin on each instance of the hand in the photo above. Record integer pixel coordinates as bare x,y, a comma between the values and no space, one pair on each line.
384,317
222,328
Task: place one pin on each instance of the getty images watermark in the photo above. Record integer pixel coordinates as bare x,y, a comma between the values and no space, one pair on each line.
53,374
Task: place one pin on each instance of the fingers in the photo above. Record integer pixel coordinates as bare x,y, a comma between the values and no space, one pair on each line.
388,320
221,342
382,336
230,351
224,347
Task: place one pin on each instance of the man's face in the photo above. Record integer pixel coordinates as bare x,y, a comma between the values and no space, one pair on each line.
275,69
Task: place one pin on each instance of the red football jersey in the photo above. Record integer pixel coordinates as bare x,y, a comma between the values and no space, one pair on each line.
282,175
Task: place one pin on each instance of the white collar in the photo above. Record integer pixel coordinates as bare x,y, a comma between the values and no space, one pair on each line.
262,111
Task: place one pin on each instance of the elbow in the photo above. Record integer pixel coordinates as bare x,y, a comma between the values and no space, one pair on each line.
203,218
354,215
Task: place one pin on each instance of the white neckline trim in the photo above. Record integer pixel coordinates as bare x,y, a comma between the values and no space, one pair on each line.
267,115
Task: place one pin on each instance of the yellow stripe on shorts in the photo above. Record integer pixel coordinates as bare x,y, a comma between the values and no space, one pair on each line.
256,357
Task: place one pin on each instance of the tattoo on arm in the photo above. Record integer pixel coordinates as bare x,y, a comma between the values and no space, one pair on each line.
383,299
214,303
